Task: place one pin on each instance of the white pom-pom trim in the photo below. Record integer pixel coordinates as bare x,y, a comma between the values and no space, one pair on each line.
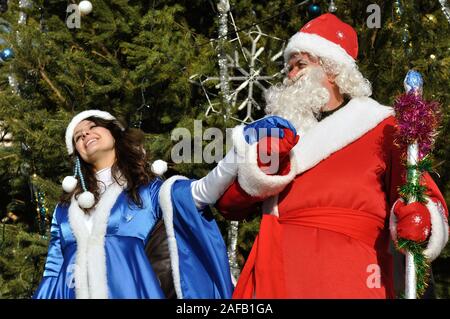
159,167
86,200
69,183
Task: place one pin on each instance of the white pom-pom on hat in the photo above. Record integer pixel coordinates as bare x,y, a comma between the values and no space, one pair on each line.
69,183
86,200
159,167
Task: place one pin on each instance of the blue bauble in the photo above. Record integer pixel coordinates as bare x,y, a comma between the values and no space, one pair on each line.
6,54
413,81
314,9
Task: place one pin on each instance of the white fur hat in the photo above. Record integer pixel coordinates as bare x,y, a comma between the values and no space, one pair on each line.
80,117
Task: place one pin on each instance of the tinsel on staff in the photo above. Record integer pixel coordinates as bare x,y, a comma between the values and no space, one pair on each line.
417,122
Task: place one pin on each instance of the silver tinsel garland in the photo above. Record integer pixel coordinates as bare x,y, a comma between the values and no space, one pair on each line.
24,4
224,7
445,9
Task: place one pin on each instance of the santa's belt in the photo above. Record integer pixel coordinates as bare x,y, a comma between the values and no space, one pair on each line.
356,224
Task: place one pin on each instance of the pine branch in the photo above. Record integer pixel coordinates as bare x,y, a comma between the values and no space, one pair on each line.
9,156
52,86
101,55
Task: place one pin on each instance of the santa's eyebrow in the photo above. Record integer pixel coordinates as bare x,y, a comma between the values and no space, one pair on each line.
298,59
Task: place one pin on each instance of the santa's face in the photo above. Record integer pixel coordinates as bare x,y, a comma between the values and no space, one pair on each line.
298,62
302,95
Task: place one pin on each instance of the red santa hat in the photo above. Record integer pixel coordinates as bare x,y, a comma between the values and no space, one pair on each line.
327,37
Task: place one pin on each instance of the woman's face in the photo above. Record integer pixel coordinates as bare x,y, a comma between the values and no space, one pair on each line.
95,144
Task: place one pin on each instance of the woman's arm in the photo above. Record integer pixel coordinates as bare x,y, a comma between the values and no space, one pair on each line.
262,147
210,188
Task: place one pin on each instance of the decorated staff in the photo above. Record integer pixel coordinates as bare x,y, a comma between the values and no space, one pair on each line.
417,123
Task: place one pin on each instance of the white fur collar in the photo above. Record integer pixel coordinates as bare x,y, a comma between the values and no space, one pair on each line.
333,133
90,269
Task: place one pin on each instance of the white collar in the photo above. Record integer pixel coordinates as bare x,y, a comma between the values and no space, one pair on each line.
104,178
339,129
90,256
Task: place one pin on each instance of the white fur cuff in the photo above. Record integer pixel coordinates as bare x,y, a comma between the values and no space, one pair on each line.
165,202
439,230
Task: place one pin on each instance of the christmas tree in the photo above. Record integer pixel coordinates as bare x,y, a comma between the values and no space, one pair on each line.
141,60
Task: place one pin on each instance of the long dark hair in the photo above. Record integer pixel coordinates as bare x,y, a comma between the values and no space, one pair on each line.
132,163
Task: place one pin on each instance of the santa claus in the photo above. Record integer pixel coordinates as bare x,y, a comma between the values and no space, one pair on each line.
326,209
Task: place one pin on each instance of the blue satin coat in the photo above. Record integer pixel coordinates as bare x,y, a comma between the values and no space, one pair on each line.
204,268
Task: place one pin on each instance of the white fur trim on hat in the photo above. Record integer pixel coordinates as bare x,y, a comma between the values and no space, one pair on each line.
80,117
318,46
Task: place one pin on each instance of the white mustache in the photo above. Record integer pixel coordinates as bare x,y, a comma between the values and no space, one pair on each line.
300,99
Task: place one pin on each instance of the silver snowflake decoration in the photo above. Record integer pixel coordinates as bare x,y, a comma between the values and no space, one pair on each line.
245,75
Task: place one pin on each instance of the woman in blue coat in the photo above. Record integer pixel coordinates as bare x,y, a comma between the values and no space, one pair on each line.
108,211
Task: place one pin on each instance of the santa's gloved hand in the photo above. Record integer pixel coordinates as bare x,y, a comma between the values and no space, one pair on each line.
280,147
267,126
413,221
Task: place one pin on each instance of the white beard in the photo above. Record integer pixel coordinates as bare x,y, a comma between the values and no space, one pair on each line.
299,100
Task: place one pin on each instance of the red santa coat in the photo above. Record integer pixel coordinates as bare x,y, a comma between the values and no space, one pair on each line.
325,228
